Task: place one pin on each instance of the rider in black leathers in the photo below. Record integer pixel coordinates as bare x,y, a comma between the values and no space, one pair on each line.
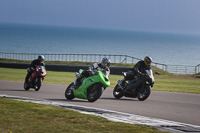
34,63
139,71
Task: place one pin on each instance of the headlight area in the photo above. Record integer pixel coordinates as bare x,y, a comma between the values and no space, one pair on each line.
106,79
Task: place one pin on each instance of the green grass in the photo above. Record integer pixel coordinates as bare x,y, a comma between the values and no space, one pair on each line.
26,117
52,76
176,83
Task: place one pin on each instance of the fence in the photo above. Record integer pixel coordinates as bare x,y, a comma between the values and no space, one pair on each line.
98,57
181,69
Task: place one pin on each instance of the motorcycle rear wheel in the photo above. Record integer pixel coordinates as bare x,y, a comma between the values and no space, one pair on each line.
69,94
144,93
94,92
116,93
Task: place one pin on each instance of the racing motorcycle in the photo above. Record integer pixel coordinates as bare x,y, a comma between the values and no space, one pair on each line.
36,78
91,88
141,92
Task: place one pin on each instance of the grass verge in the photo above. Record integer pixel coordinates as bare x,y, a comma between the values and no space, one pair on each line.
175,83
26,117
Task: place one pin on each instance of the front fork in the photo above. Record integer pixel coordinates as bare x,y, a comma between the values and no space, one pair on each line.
37,79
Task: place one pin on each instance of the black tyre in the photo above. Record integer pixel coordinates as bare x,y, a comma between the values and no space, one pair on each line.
117,92
144,92
94,92
38,84
69,92
26,86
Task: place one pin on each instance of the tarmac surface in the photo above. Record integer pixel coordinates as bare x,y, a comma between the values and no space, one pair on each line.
172,106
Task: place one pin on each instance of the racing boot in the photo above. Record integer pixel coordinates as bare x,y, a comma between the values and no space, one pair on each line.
77,82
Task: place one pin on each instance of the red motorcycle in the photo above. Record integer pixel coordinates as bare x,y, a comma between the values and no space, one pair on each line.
36,78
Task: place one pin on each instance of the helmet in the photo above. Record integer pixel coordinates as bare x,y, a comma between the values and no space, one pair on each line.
106,62
41,58
147,60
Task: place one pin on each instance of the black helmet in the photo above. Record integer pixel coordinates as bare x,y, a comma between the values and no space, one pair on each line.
41,58
106,62
147,60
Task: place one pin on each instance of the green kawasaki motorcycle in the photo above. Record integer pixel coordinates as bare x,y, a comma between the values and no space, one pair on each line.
91,88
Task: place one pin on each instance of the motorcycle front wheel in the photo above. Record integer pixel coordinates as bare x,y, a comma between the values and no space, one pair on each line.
69,92
144,92
94,92
38,84
117,92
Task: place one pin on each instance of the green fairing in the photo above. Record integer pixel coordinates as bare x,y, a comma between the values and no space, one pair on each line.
81,92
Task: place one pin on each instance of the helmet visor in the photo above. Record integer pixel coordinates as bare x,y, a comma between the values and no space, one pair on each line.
147,60
107,64
41,60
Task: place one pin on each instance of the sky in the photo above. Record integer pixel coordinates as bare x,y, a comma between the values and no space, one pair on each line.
177,16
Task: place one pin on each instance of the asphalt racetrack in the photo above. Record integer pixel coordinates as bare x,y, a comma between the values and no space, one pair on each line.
178,107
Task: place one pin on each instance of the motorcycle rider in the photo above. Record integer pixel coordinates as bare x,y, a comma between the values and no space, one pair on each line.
34,63
103,67
139,71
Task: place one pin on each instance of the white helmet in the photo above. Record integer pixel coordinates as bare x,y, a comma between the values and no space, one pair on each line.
41,58
106,62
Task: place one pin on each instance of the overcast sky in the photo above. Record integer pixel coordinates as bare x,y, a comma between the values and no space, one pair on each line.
182,16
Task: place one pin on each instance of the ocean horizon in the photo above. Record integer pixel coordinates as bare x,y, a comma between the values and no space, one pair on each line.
165,48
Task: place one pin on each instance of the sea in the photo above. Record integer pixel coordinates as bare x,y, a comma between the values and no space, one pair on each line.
165,48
